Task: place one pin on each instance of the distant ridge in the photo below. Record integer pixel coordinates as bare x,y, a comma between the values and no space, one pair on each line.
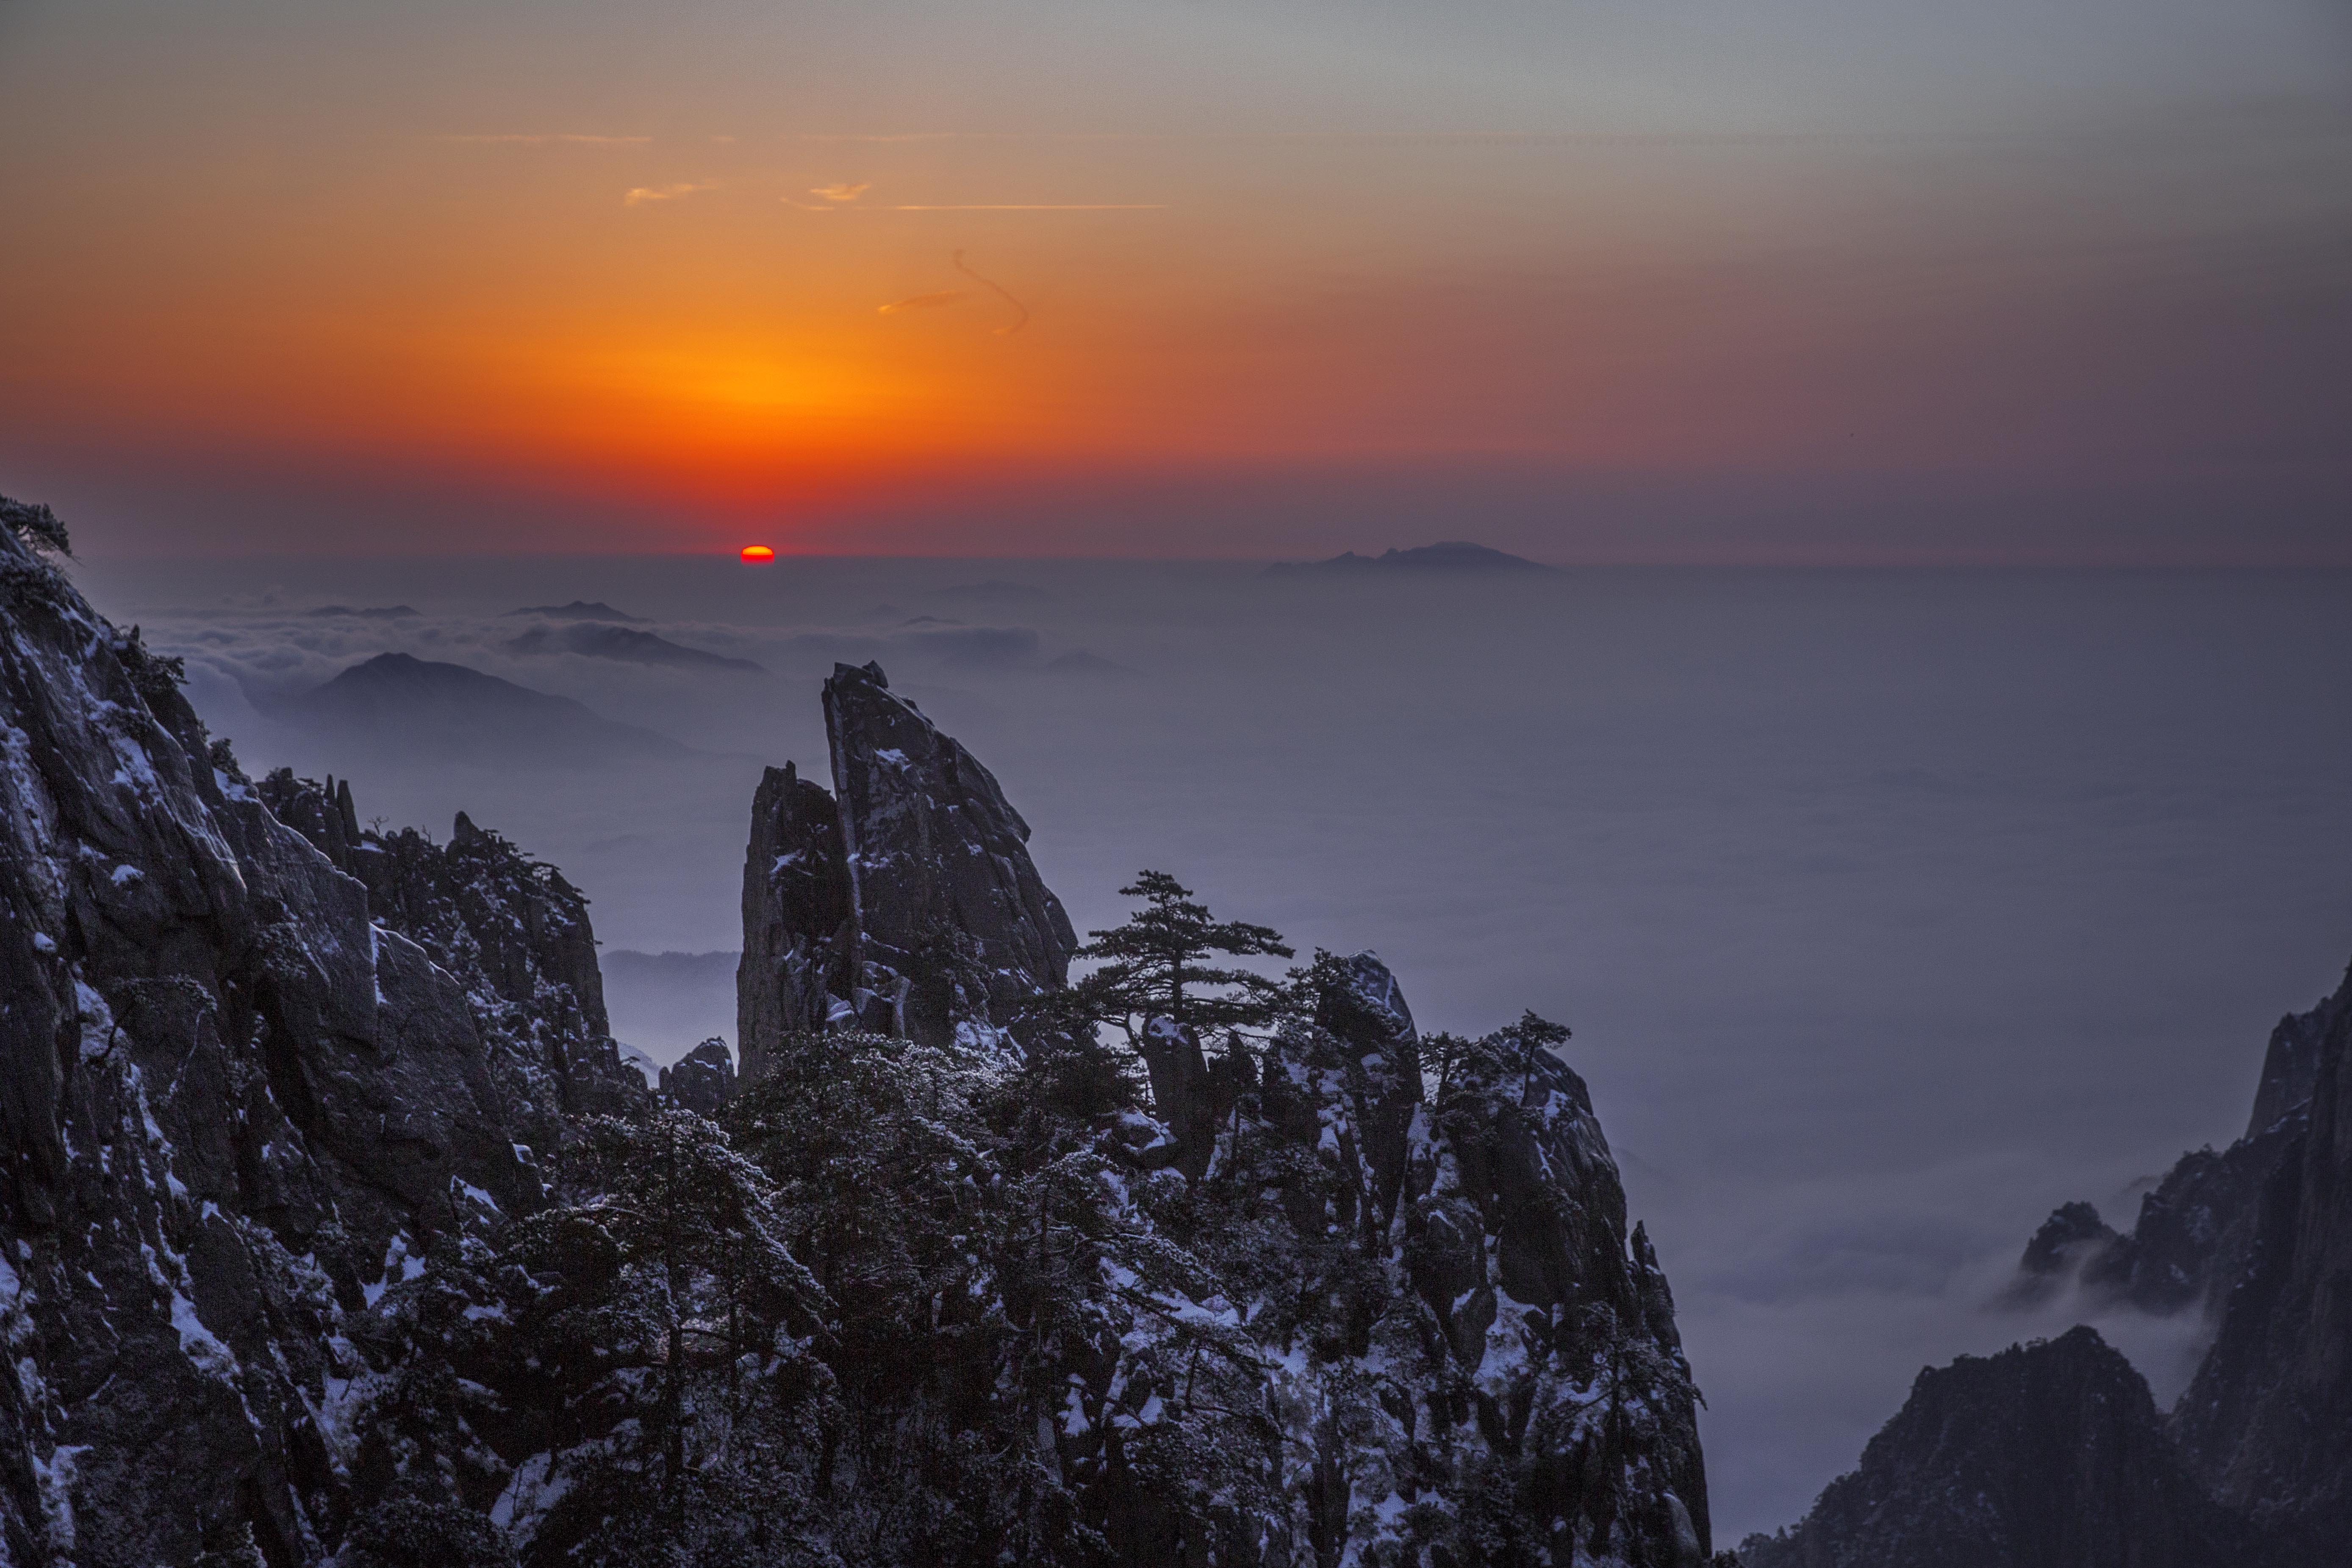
627,646
578,610
450,711
378,613
1453,555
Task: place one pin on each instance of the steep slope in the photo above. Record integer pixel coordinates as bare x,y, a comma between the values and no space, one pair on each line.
2268,1418
1413,1257
234,1104
2195,1233
2046,1456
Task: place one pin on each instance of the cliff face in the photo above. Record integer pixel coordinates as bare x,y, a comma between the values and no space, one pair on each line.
905,901
2046,1456
236,1099
2268,1418
2254,1466
1413,1257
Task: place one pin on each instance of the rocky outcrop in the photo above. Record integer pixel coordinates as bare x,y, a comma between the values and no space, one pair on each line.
905,901
702,1080
1412,1256
799,971
2268,1417
2194,1237
2291,1063
2046,1456
235,1102
510,929
1540,1389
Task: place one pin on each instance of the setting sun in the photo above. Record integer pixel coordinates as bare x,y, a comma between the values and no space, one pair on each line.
756,555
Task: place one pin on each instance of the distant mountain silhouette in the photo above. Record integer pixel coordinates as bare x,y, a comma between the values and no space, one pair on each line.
449,713
577,610
592,641
380,613
1454,555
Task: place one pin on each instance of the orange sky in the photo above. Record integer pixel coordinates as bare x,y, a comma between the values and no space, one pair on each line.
791,271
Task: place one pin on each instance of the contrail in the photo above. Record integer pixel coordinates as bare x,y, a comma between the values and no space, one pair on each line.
1008,299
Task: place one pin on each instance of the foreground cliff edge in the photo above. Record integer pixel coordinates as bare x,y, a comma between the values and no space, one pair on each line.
334,1231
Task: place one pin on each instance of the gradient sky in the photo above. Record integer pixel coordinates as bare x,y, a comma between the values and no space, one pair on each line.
1797,280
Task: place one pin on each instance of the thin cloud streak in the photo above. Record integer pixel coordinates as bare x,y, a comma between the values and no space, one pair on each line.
1030,207
643,193
842,193
570,139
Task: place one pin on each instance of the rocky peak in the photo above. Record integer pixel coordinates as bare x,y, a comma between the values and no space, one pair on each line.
2291,1064
2048,1455
905,901
703,1081
2268,1417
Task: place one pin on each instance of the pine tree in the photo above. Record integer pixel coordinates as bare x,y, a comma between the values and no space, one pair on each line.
1153,965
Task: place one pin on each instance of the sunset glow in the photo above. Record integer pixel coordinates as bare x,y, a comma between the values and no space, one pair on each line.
929,309
756,555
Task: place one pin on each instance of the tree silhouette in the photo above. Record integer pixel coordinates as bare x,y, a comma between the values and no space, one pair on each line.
1154,965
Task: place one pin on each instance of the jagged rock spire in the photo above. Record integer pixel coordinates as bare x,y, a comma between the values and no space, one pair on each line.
904,902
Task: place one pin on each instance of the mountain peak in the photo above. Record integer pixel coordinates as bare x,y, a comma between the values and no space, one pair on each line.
1448,555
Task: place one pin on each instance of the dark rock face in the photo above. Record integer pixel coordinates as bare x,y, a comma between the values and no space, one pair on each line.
2268,1417
800,936
2290,1064
2046,1456
234,1098
2195,1234
905,901
1487,1230
703,1081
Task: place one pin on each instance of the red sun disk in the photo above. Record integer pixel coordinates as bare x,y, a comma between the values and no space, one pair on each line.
755,554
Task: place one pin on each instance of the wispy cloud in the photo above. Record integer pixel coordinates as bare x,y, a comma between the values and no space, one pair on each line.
570,139
921,302
642,194
841,193
1031,207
